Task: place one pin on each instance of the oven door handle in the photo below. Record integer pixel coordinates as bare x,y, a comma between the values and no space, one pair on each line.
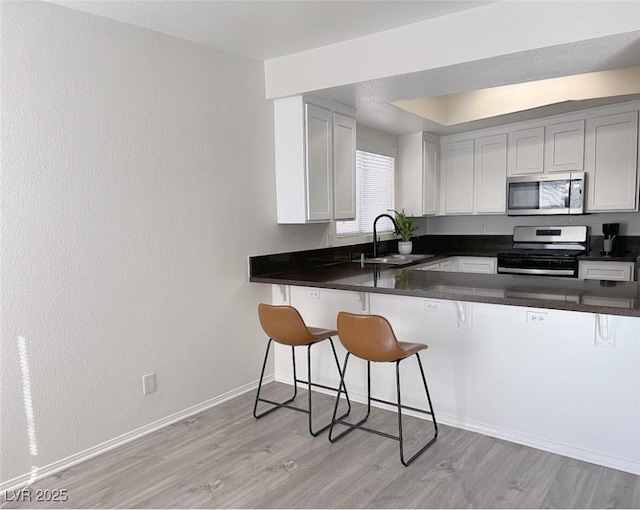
547,272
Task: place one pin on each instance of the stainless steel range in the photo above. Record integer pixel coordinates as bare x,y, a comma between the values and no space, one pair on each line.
545,251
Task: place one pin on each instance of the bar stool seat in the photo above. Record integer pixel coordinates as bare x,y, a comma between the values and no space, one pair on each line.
284,325
320,334
371,338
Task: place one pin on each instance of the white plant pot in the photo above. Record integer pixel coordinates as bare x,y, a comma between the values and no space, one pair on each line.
405,247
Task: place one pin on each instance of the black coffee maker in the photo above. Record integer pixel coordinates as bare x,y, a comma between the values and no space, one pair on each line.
612,245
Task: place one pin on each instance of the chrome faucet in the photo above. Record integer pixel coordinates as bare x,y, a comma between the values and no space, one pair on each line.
375,234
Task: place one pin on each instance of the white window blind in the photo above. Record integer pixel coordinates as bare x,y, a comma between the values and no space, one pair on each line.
374,194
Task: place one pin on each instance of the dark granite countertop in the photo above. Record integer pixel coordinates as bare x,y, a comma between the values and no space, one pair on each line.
629,257
614,298
317,269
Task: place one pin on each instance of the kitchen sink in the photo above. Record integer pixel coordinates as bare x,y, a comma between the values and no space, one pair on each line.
397,258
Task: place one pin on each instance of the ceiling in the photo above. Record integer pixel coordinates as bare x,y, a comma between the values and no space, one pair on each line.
273,28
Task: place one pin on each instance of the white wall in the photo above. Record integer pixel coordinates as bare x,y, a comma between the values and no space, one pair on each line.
372,136
137,177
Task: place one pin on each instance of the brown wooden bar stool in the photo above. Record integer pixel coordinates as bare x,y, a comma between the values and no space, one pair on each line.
371,338
283,324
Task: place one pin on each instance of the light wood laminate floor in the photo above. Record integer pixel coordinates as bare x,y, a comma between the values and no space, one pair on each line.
225,458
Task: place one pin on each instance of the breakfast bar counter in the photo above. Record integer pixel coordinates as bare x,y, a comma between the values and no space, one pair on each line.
548,362
592,296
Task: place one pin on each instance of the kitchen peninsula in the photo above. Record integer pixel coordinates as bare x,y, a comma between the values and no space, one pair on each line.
550,363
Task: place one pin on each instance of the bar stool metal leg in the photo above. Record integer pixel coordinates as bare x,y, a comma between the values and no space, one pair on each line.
276,404
338,419
310,384
400,407
309,410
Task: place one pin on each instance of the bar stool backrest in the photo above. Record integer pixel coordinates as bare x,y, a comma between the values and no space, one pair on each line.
284,324
369,337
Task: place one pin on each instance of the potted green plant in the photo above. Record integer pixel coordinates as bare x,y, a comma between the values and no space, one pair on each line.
406,227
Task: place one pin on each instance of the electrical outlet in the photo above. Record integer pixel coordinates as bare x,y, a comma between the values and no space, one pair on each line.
537,317
315,294
432,306
148,384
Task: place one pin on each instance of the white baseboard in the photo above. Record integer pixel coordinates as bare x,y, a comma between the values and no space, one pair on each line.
593,457
60,465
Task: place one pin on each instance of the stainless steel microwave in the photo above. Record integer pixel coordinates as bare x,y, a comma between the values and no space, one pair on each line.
561,193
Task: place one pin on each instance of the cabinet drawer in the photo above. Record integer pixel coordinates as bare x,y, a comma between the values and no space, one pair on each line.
443,265
612,271
428,267
485,265
447,265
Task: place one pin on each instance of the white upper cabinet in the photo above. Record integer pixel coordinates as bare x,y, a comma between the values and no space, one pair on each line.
611,162
344,167
315,161
430,169
526,151
458,176
491,174
319,164
474,174
564,147
418,166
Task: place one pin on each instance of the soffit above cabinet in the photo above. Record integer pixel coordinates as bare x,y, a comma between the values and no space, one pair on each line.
454,109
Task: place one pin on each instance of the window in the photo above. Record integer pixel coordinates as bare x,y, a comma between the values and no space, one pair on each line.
374,194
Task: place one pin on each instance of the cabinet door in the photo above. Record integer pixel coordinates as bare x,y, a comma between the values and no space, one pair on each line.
410,162
344,167
491,174
526,151
564,147
429,178
458,170
318,163
611,164
604,270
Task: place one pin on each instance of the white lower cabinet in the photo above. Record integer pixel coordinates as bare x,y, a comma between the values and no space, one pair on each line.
606,270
